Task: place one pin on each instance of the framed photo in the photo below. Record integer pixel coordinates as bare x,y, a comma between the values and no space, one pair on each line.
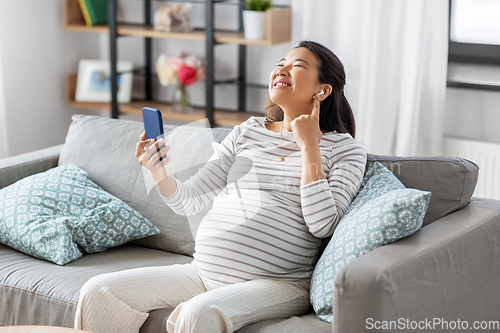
94,81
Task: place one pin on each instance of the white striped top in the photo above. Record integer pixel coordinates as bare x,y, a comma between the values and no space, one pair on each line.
263,223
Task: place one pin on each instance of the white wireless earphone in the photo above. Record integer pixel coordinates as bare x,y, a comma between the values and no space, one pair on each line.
322,92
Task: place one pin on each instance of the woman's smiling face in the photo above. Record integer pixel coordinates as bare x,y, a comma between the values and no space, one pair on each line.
294,81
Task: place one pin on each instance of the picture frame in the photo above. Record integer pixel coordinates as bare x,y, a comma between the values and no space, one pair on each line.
94,81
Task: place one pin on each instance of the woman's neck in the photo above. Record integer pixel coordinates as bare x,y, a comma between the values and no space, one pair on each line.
285,125
290,113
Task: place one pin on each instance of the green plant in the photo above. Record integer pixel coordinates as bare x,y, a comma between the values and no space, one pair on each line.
258,5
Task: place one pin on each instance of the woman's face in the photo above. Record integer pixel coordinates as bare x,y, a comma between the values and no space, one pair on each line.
294,81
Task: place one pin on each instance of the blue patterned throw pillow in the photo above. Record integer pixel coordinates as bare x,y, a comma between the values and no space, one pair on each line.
60,214
384,211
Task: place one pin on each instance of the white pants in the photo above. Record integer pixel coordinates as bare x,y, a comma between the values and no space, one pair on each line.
120,301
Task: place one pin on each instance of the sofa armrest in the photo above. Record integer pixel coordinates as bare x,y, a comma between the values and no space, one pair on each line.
17,167
447,271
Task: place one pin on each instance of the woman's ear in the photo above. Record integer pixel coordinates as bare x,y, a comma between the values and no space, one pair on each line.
327,90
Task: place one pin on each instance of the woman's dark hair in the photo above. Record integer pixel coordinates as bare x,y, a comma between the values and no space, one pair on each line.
335,113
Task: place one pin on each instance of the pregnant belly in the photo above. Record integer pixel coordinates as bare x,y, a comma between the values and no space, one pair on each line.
255,235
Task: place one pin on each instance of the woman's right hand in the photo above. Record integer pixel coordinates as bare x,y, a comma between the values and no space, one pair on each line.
147,155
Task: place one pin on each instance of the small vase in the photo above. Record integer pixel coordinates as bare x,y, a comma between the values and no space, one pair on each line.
180,100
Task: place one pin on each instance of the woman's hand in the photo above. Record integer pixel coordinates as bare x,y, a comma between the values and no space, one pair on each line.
147,155
308,135
306,128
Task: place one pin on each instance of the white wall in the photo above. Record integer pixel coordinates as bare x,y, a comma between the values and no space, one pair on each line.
36,53
4,147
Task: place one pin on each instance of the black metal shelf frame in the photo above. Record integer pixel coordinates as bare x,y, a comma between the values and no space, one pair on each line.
209,57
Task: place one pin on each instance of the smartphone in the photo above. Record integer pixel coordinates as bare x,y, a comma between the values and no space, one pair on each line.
153,124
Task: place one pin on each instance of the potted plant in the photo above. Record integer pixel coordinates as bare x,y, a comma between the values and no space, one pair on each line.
254,18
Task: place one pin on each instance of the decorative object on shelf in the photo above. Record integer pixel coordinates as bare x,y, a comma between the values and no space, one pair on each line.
182,71
173,17
94,81
94,11
255,17
180,100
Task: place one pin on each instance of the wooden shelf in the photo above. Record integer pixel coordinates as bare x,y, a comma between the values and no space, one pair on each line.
278,28
135,107
148,31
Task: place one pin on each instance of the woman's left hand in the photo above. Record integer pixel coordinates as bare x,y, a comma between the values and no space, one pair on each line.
306,128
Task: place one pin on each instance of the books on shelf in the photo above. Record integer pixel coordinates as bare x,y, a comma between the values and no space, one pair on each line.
94,11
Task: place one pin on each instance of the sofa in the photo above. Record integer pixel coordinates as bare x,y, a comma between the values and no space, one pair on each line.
448,270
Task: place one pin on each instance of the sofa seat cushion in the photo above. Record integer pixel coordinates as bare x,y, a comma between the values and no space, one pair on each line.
308,323
37,292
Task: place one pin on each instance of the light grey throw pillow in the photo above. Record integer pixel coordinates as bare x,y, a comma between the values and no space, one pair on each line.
451,180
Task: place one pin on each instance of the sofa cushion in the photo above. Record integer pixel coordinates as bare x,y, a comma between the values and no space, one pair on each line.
382,212
451,180
308,323
38,292
105,148
60,214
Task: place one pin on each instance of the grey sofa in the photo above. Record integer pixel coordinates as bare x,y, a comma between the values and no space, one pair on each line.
449,270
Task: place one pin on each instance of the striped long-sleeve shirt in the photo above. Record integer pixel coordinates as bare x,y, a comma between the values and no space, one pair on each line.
263,223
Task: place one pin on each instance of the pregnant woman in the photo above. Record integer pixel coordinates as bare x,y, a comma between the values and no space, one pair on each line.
282,184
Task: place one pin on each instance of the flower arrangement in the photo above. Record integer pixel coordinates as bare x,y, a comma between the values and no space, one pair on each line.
183,71
186,69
